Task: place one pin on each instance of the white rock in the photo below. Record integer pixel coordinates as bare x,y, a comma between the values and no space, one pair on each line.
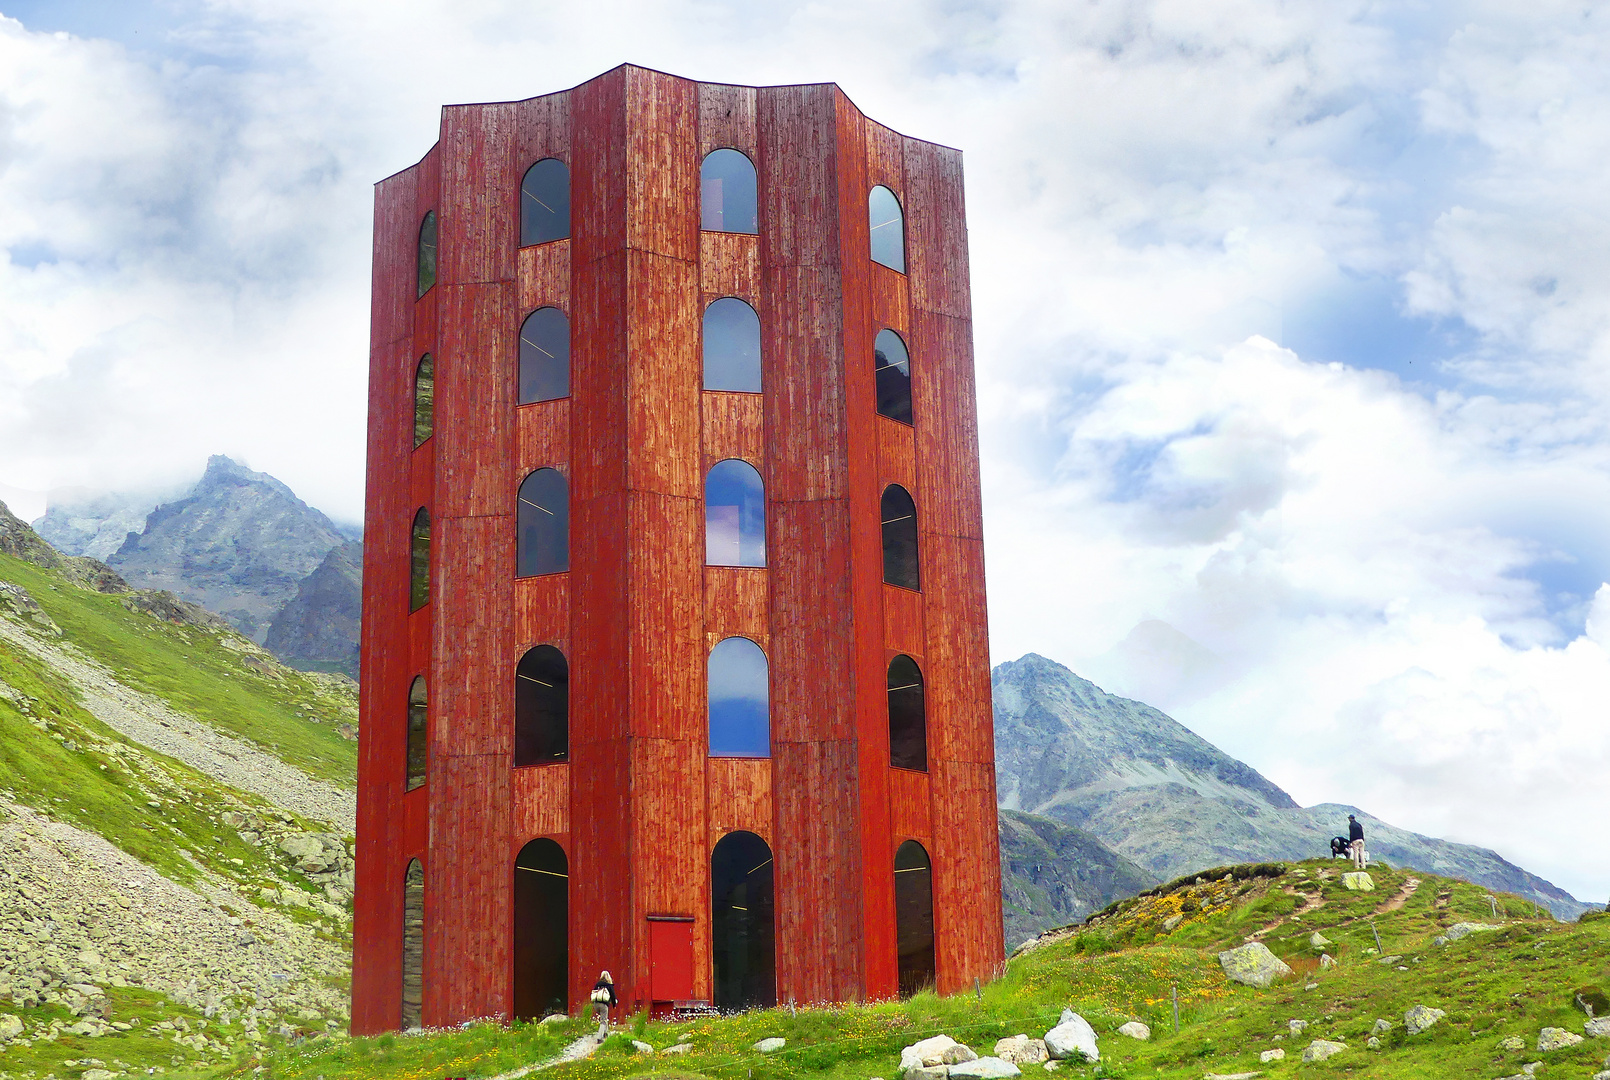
1552,1038
98,1074
1318,940
1072,1035
642,1047
1326,960
957,1054
1276,1054
1320,1049
926,1072
1136,1030
1462,930
984,1068
1253,965
1598,1028
1021,1050
10,1027
1053,1065
1373,1042
1360,881
1297,1027
770,1046
1172,921
929,1051
1421,1017
679,1048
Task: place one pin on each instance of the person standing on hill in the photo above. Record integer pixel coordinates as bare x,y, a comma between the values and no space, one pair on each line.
1355,840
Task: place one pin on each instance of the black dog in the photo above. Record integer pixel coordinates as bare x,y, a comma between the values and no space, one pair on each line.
1340,848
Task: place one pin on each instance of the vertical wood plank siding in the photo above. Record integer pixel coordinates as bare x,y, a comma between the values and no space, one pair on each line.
640,806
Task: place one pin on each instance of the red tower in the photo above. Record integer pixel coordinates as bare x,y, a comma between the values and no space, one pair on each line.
674,641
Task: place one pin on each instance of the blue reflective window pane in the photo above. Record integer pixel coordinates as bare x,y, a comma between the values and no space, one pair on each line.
734,515
888,229
731,346
543,520
727,193
544,356
545,202
739,695
893,370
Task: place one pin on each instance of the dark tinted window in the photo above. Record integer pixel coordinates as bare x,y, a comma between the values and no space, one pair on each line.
424,399
900,538
413,950
893,369
734,515
418,729
741,923
914,917
419,562
740,721
888,229
541,707
545,202
731,346
541,930
727,193
427,253
544,524
544,356
908,721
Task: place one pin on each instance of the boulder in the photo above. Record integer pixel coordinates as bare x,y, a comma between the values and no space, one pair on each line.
926,1072
10,1027
1072,1037
1022,1050
1320,1049
1552,1038
929,1051
984,1068
1359,881
1512,1042
768,1046
1136,1030
1326,960
1276,1054
1318,940
1253,964
1381,1027
957,1055
1598,1028
1421,1017
1461,930
1172,921
642,1047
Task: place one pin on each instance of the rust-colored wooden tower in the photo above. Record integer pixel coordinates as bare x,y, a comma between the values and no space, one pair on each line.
638,803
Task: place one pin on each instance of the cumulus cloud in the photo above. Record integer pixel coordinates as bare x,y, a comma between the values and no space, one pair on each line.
1378,580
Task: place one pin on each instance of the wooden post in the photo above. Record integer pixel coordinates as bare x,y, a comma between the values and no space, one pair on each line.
1174,992
1380,950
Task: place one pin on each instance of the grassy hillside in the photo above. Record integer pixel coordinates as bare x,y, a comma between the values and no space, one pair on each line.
1124,965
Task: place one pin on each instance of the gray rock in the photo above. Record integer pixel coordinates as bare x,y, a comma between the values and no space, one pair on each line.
767,1046
1022,1050
10,1027
1598,1028
957,1055
1297,1027
1232,1076
1421,1017
1318,940
1373,1042
1327,961
1253,965
1512,1043
984,1068
642,1047
1276,1054
1135,1030
679,1048
1072,1037
929,1052
926,1072
1553,1038
1359,881
1380,1027
1462,930
1172,921
1321,1049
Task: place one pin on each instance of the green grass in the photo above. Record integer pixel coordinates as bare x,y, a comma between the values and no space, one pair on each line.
60,760
1514,981
190,668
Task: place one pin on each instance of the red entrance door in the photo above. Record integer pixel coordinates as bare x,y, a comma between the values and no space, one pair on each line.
670,951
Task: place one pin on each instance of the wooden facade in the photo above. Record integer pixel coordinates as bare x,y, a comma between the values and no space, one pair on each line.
639,805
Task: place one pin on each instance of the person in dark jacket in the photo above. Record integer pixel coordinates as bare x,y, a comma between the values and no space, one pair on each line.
1355,837
603,1000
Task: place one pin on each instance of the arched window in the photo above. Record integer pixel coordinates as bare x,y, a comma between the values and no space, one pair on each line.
740,700
413,947
892,366
545,202
908,720
914,917
541,930
743,956
731,346
888,229
734,515
418,731
424,399
427,253
544,356
727,193
544,524
419,562
900,538
541,707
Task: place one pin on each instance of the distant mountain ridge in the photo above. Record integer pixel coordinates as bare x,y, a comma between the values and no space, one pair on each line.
1156,793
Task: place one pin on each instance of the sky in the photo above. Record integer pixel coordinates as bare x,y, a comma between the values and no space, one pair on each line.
1292,326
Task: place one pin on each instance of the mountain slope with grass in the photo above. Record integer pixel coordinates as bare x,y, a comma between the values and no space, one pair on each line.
1155,792
1498,990
176,811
